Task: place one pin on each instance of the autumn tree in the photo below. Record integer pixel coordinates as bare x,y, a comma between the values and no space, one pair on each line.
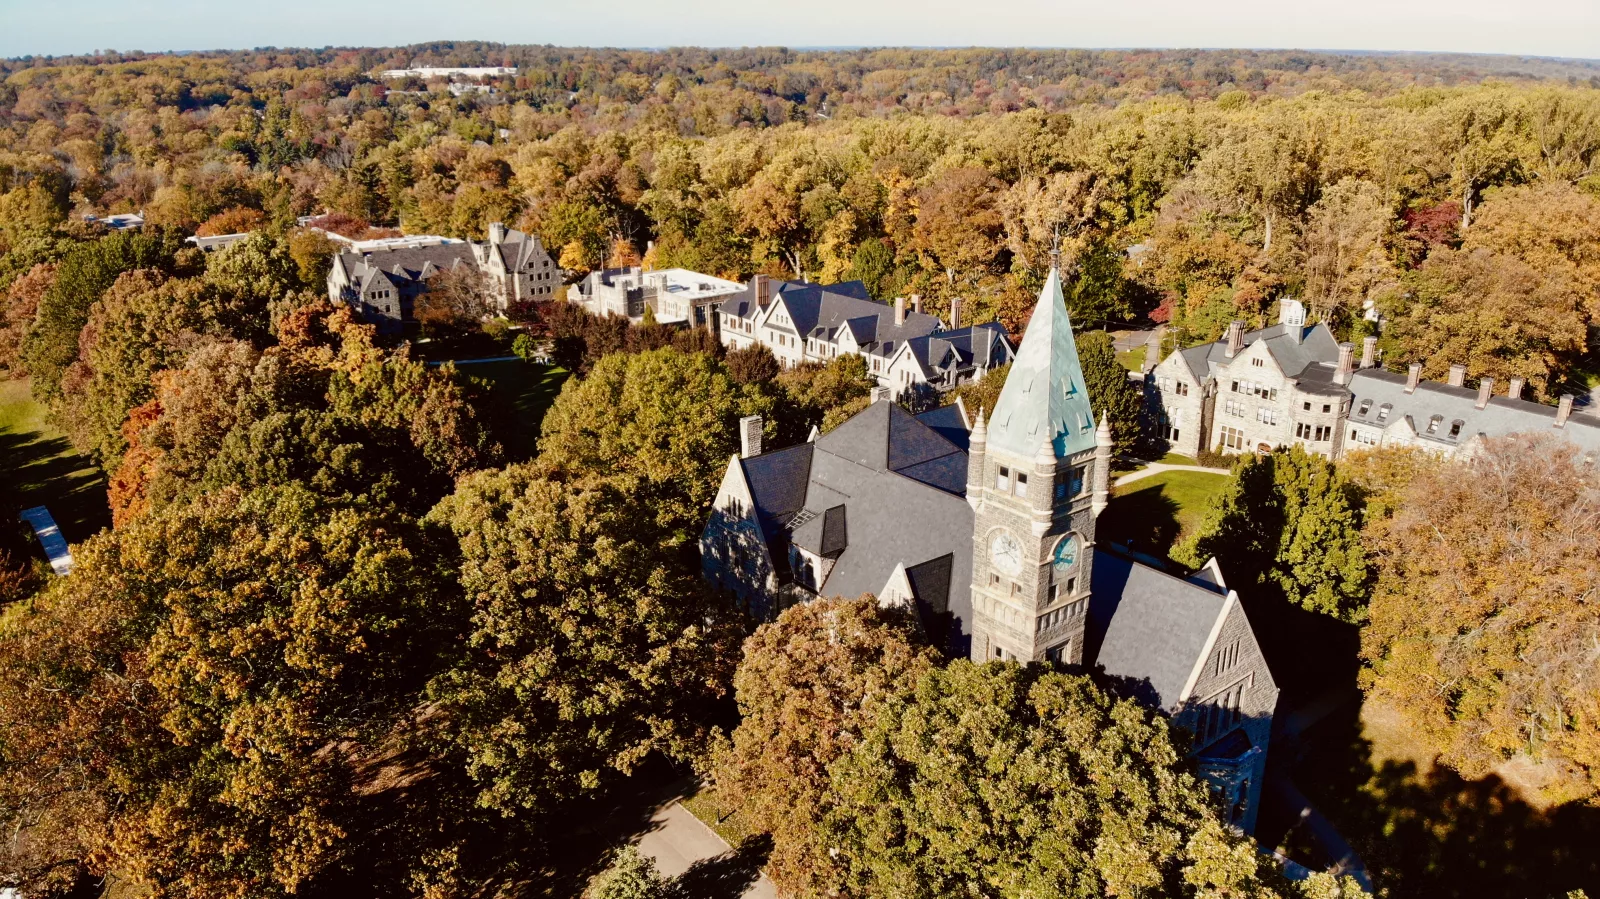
824,394
1482,626
1345,245
1492,312
84,273
185,709
1551,227
1111,393
1007,781
669,419
456,302
806,686
1290,522
21,304
593,640
958,223
753,364
983,393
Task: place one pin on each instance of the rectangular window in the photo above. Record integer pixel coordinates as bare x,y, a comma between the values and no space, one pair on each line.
1053,592
1232,438
994,580
1324,432
1259,363
1235,387
1016,588
1002,480
1022,484
1181,389
1306,405
1267,415
1326,408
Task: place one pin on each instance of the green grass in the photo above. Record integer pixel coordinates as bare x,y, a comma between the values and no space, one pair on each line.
1176,459
714,814
41,468
527,390
1152,514
1132,360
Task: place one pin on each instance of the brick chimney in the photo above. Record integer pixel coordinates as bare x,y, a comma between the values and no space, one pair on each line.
899,311
1458,375
1515,390
762,288
1485,390
916,303
1369,352
1236,338
1414,377
749,436
955,313
1564,411
1347,364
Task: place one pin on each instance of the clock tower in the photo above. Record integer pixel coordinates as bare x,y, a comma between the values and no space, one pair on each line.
1038,476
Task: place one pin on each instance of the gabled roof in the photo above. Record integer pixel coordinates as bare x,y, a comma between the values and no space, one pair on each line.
1316,346
1045,398
821,311
950,422
404,265
1149,629
1373,388
960,350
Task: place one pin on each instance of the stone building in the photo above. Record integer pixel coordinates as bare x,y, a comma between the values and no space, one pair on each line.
382,283
1293,385
1254,390
990,535
903,346
672,295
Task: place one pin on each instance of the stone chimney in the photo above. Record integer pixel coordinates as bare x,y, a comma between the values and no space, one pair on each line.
1458,375
955,313
497,233
1414,377
1485,390
880,394
749,436
1564,411
1235,338
916,303
1347,364
762,288
1369,352
1515,390
899,311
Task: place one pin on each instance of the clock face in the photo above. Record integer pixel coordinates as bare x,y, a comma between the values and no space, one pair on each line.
1005,553
1066,554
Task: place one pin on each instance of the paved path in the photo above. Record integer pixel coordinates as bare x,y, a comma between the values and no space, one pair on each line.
55,545
678,841
1155,468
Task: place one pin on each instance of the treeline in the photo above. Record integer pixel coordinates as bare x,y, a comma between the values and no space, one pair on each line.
1463,214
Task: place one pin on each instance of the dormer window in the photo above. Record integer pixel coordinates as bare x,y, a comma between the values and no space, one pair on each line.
1433,424
1383,412
1455,428
1366,406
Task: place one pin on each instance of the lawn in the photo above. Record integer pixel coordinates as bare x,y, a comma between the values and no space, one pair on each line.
527,390
42,469
1132,360
1151,514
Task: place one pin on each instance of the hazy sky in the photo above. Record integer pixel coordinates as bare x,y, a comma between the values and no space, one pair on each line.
1541,27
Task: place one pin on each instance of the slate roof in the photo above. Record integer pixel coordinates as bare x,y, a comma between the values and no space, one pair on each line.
1147,627
821,311
1045,397
960,350
403,265
1316,346
1372,388
950,422
881,490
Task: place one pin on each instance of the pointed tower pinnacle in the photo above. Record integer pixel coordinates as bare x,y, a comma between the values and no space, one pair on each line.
1102,434
975,444
1044,397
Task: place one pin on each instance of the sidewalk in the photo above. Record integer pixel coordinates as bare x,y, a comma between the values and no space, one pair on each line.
1155,468
683,847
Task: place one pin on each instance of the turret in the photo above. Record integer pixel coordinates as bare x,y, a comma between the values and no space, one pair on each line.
1042,487
1102,465
976,442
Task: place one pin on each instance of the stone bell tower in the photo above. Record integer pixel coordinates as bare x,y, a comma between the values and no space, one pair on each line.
1038,476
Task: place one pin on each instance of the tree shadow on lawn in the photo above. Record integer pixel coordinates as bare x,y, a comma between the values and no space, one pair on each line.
44,471
1434,833
1145,520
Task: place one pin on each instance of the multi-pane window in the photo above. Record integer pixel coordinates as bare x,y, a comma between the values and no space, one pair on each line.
1180,388
1314,433
1220,714
1232,438
1169,424
1258,362
1267,415
1363,438
1234,408
1227,657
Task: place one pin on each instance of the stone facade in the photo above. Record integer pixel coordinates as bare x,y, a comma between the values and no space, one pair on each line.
672,295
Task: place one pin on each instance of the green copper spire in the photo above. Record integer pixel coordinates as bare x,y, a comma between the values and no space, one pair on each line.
1044,398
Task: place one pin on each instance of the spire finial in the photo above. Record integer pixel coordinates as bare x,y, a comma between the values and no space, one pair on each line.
1055,249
